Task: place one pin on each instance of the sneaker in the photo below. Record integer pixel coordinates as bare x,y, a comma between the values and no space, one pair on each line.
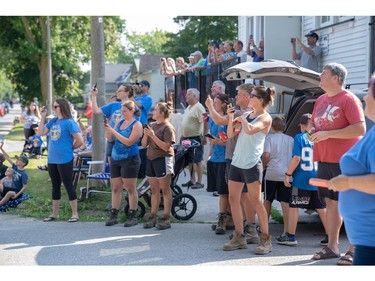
324,242
188,183
197,186
151,222
215,193
265,245
220,226
309,211
164,223
238,242
251,234
287,239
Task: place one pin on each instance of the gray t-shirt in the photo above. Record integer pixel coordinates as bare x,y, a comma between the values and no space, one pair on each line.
311,62
280,148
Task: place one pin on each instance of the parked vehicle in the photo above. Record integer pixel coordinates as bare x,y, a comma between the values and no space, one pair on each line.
303,82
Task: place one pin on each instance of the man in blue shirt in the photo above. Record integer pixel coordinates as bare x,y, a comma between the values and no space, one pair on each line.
144,100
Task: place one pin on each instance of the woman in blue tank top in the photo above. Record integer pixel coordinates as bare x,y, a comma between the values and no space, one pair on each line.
125,161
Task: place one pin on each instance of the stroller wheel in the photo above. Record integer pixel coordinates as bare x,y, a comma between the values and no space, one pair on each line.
176,190
141,210
184,206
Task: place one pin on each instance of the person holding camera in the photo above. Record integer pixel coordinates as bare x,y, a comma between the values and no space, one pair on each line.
309,56
168,69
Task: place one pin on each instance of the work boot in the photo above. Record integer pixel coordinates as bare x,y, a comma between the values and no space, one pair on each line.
264,246
238,242
151,222
164,223
220,226
132,219
251,233
113,219
229,224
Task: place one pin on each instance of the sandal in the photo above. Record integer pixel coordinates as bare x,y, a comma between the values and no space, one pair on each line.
325,254
50,218
73,219
43,168
346,259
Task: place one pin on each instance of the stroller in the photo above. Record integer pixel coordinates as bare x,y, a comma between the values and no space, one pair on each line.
184,205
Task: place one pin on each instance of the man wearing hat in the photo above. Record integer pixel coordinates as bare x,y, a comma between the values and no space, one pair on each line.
19,179
144,100
309,56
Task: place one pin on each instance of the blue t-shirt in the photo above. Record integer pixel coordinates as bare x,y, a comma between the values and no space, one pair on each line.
306,168
146,102
20,178
218,151
356,207
121,151
40,140
60,141
113,112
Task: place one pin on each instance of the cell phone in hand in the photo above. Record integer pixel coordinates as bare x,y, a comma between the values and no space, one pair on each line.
95,85
105,120
209,136
251,36
223,136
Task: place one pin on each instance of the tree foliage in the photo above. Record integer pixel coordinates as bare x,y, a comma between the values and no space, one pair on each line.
195,33
23,41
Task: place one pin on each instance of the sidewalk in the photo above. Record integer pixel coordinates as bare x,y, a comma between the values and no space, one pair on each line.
6,125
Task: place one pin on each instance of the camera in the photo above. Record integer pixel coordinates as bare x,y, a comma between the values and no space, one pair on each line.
292,40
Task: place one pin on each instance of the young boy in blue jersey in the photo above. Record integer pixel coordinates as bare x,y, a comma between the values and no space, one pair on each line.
304,195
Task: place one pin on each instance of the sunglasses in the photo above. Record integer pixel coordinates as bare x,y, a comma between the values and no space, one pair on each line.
252,95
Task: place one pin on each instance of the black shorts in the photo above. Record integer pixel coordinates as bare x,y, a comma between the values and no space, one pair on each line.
7,189
276,190
328,171
216,177
227,168
246,175
196,153
306,199
127,168
159,167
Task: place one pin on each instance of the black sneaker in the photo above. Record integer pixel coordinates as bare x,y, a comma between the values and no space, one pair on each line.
324,242
188,183
197,186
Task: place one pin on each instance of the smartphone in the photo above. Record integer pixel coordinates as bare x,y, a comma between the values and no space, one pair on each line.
318,182
292,40
95,86
105,119
251,36
223,136
209,136
145,126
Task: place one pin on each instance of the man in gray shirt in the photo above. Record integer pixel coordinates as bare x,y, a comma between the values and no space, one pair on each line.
309,56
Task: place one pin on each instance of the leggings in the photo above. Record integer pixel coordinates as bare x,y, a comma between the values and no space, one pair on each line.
62,173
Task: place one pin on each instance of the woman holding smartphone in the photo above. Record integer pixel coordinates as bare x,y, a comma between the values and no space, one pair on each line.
159,139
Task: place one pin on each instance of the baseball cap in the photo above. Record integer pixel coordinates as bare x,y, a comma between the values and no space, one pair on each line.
197,53
191,56
312,34
144,82
24,159
213,42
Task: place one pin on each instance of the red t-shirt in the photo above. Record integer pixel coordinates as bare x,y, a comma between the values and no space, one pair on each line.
332,113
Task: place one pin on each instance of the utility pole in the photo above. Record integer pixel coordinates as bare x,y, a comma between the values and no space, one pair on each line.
98,76
49,69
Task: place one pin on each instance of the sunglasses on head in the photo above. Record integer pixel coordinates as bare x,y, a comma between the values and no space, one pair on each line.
252,95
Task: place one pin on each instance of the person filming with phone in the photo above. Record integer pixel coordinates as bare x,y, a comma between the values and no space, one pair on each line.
309,56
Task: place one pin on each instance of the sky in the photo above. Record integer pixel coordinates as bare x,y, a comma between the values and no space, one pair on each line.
139,25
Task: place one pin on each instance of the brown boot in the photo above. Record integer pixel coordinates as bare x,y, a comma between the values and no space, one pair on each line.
229,224
265,245
220,226
238,242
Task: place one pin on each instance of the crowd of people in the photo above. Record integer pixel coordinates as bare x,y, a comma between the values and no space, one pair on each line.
243,154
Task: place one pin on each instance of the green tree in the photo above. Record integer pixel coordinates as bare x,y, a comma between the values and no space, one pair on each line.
136,44
196,32
24,57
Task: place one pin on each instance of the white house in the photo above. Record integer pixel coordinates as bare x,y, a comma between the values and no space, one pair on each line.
349,40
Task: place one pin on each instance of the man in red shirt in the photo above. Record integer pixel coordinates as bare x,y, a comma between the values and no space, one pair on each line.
339,123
